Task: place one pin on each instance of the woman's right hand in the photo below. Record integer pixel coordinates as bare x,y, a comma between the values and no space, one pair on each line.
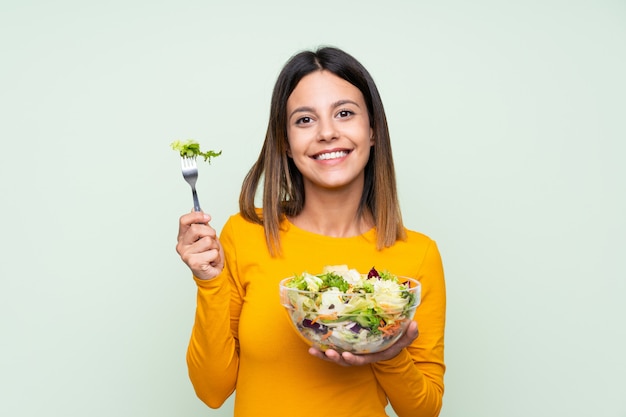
198,245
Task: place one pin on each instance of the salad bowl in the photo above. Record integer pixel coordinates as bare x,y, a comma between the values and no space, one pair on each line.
346,311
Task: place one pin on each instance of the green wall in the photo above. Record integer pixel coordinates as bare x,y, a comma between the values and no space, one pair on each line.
508,127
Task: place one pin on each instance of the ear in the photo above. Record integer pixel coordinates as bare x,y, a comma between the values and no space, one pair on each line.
289,152
371,137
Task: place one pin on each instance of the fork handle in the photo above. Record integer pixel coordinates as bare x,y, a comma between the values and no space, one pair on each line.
196,203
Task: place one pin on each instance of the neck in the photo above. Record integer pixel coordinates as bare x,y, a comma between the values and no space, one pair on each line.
333,213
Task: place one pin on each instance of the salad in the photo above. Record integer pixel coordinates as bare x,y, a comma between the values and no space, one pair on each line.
191,149
345,310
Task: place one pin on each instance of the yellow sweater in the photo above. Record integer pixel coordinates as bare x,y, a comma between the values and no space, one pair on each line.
242,339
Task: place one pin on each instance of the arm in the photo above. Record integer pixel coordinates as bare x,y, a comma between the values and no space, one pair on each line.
212,355
413,380
411,371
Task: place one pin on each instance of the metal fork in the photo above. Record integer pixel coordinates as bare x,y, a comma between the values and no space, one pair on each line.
190,173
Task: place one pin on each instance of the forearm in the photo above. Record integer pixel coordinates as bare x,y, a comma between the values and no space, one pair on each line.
212,357
414,391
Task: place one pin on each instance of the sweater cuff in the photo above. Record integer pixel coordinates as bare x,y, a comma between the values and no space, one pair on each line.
397,361
209,283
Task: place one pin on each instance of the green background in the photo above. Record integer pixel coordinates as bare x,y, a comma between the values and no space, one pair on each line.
508,127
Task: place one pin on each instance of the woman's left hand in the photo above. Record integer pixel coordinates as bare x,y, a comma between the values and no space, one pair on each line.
350,359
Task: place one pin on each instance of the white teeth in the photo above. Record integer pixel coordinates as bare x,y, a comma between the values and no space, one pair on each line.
332,155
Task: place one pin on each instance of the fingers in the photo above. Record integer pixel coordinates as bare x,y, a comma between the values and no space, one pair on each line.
412,331
193,227
206,265
200,257
189,219
198,245
329,355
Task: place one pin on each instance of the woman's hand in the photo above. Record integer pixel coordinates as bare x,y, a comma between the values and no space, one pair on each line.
198,245
350,359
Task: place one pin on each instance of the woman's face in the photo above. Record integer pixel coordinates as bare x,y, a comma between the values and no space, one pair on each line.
328,131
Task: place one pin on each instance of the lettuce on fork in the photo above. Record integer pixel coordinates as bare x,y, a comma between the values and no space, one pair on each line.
191,149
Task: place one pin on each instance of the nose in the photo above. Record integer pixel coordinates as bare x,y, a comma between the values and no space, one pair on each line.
327,130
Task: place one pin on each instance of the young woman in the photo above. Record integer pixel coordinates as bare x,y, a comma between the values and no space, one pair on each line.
329,198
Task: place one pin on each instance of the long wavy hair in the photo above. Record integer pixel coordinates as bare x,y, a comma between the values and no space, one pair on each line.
283,186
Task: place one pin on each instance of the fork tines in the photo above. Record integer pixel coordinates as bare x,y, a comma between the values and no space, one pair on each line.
190,173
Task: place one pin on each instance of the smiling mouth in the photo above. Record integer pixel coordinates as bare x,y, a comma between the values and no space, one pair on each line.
331,155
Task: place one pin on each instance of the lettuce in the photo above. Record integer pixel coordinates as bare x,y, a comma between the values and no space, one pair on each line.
191,149
345,310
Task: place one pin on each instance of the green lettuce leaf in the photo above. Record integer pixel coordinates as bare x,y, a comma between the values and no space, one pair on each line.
191,149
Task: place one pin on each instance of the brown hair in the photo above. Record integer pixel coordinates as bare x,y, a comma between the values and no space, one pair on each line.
283,187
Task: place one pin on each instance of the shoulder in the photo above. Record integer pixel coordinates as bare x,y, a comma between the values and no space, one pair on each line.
240,234
418,244
239,222
415,237
424,258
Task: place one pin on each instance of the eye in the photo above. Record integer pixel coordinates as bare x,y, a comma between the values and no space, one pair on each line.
344,113
303,120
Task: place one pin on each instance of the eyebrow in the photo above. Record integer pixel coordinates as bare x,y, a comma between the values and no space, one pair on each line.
305,109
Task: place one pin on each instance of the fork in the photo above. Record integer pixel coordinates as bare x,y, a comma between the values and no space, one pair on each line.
190,173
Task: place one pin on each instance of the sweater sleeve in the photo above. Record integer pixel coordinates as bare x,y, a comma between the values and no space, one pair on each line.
213,352
413,380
